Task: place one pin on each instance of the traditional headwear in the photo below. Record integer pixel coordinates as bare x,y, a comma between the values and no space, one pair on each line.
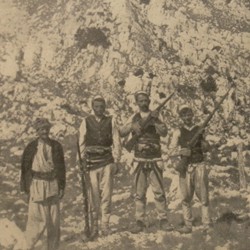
141,92
98,98
184,108
42,123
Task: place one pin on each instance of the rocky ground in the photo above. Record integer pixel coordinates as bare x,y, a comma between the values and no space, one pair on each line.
229,211
55,55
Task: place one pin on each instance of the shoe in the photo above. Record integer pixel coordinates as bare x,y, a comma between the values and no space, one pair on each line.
185,230
94,233
139,227
105,232
85,237
165,225
207,228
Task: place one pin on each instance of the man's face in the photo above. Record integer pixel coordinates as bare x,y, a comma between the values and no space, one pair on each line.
99,108
143,102
43,133
187,117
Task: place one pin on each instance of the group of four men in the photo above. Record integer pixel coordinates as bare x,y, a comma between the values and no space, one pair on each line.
43,170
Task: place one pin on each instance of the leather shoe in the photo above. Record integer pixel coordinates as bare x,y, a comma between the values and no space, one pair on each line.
139,227
185,230
165,225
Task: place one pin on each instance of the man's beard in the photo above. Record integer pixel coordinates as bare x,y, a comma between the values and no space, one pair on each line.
144,108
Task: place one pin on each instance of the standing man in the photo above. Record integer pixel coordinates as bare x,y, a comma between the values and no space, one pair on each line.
100,146
43,180
148,164
195,176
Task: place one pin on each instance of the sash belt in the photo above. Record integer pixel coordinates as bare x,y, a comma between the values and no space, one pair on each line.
46,176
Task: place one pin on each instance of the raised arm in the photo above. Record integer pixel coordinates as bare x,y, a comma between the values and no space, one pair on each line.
82,133
126,128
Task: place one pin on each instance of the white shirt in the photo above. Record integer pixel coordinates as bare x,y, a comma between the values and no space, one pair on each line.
40,190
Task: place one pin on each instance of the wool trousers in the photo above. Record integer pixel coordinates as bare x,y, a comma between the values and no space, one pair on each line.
195,181
101,193
43,216
149,173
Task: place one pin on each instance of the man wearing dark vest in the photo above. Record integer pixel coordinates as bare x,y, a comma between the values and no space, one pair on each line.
100,146
43,180
147,165
195,178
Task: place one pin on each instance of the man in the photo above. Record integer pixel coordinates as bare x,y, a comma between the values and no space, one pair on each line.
148,164
194,177
100,146
43,180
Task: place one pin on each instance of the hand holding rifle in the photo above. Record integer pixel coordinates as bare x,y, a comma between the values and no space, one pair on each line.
139,128
136,127
186,152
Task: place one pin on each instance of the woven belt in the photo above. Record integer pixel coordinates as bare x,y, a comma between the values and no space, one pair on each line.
46,176
97,150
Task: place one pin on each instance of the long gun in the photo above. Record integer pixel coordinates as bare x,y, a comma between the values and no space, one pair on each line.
85,185
130,144
182,165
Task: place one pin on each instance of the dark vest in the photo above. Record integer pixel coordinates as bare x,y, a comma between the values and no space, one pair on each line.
148,145
196,151
99,133
98,141
27,161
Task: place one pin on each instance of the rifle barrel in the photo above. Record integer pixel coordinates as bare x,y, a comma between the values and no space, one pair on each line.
130,144
207,120
164,102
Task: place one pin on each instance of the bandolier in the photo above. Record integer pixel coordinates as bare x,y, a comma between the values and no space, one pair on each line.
148,146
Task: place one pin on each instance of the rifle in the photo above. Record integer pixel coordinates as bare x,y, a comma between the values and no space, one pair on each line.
182,165
85,185
130,144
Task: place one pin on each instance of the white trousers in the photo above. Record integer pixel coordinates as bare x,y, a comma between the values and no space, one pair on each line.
195,182
43,216
102,188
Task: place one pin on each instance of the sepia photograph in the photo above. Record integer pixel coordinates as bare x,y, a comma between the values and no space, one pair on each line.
124,124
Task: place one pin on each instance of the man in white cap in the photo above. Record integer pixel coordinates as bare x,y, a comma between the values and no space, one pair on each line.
195,176
43,180
100,146
148,164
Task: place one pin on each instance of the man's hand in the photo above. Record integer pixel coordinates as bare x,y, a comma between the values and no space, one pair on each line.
155,113
27,197
61,194
185,152
205,146
136,127
115,168
161,129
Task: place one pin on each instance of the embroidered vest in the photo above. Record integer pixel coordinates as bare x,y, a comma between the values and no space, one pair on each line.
196,151
98,141
148,145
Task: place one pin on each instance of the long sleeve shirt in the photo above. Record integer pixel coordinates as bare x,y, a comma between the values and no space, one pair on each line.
127,127
174,146
116,148
41,190
29,155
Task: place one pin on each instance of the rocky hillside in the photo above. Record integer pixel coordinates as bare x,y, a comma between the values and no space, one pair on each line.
55,55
